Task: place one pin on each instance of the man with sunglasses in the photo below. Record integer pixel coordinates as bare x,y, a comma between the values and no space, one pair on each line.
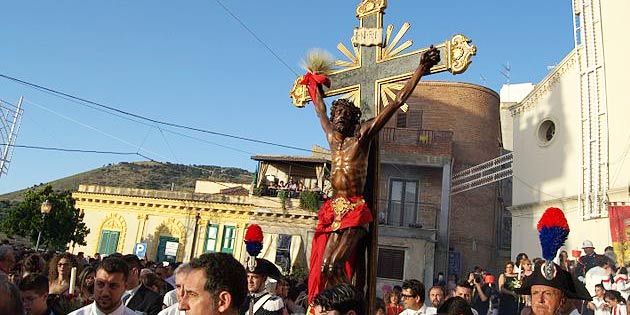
413,297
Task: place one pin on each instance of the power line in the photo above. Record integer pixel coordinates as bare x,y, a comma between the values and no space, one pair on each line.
256,37
66,95
69,150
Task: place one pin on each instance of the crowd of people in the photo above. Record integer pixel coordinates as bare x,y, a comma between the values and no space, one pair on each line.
291,189
46,283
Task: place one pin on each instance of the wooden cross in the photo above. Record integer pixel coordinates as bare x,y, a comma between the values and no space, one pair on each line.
376,69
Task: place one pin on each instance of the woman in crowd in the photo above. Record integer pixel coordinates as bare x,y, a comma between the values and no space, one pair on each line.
527,269
517,266
616,302
563,260
507,283
393,306
86,283
59,273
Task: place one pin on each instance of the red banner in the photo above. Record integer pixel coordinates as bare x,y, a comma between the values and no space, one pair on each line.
619,216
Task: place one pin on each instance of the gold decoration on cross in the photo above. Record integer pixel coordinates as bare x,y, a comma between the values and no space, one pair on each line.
299,93
460,53
368,7
389,49
388,94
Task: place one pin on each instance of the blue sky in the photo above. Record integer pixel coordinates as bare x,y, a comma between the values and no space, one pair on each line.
191,63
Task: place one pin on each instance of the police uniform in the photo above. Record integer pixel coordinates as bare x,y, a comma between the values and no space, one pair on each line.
262,302
586,262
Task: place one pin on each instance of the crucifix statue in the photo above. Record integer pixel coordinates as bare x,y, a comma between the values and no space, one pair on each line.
370,79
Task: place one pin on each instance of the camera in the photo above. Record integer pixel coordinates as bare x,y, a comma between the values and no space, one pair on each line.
478,278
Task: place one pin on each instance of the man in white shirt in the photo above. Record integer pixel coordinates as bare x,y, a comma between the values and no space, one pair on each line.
109,287
173,297
413,297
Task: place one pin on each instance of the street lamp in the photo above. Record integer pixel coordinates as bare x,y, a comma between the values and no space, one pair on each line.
44,209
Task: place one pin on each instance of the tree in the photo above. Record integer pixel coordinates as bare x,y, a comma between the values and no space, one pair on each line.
62,227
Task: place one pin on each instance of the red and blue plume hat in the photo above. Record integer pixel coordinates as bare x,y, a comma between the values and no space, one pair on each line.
553,231
253,244
253,240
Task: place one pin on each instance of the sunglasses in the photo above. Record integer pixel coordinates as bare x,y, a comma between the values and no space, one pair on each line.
404,296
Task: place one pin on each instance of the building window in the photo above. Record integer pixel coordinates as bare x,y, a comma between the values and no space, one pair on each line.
414,119
212,234
401,119
546,132
109,242
229,235
391,263
402,207
578,28
283,256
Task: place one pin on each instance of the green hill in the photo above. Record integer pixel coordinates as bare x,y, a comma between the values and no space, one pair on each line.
145,175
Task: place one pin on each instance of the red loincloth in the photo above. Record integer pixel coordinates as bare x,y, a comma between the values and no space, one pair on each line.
356,214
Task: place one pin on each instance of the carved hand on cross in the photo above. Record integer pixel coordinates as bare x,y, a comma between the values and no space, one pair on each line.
429,59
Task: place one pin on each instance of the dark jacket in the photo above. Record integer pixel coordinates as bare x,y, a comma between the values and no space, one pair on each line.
145,301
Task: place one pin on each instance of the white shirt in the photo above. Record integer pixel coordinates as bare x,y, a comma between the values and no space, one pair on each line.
622,284
599,306
170,298
91,309
172,310
620,310
421,311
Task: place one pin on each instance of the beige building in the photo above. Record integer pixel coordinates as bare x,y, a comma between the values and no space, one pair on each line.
571,134
177,226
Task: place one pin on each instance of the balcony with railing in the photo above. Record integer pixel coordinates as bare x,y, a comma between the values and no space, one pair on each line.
418,141
412,218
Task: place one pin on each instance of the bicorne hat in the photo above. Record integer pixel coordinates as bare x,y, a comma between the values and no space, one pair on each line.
553,230
550,274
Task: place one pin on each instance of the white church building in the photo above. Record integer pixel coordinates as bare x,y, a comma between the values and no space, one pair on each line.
571,133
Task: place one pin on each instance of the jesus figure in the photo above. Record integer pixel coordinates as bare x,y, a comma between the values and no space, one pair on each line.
343,219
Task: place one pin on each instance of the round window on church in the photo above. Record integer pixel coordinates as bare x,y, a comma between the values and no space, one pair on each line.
546,131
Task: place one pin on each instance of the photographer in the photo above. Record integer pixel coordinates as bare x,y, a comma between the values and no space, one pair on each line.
481,291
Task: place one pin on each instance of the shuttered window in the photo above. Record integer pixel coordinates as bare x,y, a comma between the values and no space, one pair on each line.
109,242
211,238
401,119
229,234
391,263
